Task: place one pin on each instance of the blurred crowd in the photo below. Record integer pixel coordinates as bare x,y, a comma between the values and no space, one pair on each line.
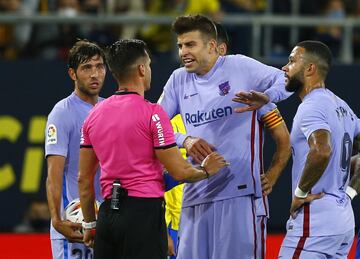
52,41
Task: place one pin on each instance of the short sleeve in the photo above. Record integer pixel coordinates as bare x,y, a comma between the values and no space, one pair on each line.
357,127
168,99
272,119
84,139
313,118
267,79
57,133
161,129
265,109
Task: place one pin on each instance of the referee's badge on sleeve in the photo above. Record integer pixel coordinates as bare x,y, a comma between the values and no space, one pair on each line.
51,136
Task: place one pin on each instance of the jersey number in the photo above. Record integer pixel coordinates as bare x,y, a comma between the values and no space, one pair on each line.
345,158
79,253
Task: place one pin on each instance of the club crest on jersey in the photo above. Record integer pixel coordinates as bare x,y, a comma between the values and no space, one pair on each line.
51,136
224,88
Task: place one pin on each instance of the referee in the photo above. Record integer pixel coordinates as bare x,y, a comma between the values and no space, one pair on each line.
131,139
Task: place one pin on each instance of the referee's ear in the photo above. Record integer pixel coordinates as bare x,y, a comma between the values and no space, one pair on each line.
141,68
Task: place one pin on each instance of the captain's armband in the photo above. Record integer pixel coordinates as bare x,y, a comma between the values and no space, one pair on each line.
272,119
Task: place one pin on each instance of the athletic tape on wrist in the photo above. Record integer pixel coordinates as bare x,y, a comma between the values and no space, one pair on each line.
351,192
300,193
88,225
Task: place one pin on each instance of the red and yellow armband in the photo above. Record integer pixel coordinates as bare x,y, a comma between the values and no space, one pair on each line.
272,119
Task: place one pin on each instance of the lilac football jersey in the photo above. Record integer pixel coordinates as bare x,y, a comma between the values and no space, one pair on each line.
63,138
332,214
206,106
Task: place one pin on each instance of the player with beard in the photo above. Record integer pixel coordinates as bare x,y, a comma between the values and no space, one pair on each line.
321,224
231,205
173,197
87,69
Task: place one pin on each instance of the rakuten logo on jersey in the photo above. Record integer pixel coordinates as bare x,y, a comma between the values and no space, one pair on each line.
200,118
160,131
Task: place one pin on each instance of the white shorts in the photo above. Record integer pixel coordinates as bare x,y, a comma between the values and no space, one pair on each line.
232,228
322,247
62,249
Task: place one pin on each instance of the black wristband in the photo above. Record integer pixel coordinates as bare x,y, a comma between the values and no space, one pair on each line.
206,172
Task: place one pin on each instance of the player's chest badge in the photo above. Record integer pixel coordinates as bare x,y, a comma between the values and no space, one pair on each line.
224,88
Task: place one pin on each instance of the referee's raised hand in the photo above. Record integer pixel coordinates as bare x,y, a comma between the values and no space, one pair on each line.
213,163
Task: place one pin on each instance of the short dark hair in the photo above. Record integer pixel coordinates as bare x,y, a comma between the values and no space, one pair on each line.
222,36
319,51
83,51
122,54
188,23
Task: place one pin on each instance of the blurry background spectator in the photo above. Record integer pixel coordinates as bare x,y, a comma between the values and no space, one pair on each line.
240,36
332,35
355,13
133,7
52,41
36,218
160,37
13,38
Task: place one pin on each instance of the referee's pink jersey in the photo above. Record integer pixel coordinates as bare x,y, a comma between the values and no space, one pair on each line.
124,131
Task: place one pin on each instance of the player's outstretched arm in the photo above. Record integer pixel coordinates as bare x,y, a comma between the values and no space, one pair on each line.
253,100
281,137
88,164
54,184
182,171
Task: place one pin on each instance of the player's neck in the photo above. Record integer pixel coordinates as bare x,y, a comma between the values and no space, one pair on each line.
210,65
91,99
310,87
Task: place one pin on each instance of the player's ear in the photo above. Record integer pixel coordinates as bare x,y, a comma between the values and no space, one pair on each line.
213,45
310,69
72,74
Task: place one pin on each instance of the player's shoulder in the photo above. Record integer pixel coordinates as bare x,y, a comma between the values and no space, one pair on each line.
181,71
62,107
320,98
178,79
245,62
318,101
236,58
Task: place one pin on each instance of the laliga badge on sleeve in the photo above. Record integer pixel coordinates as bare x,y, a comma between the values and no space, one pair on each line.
51,136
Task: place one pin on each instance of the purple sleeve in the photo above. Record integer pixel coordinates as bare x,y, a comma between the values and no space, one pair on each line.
168,99
357,127
267,79
265,110
313,118
161,129
170,103
57,133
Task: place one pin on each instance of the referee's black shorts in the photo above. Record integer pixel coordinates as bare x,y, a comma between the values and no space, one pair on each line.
136,231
